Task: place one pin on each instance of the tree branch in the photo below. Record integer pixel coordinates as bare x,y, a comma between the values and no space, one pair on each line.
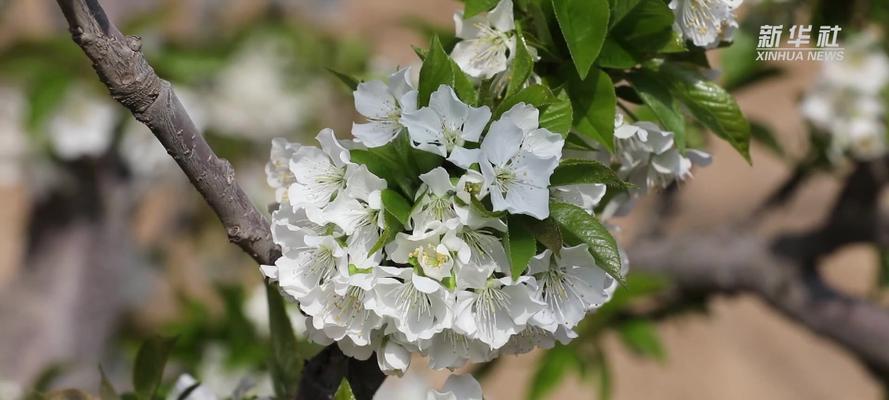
123,69
119,62
734,261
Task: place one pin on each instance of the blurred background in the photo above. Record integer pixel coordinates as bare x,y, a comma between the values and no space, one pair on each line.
103,242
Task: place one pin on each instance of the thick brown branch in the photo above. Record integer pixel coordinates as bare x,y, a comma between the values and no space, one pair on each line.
732,261
131,80
123,69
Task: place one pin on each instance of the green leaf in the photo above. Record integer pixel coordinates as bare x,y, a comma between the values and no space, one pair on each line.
519,243
642,338
584,228
351,82
148,369
766,137
106,389
614,55
45,95
344,392
552,369
463,86
391,229
475,7
436,71
522,65
573,172
645,28
584,24
397,205
546,232
710,104
535,95
620,9
659,99
286,363
558,116
478,206
594,102
383,162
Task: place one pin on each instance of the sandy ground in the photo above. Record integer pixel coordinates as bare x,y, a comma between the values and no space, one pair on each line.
742,349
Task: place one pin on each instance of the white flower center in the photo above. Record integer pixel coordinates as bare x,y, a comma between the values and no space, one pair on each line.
481,254
487,305
321,263
453,340
699,15
429,257
347,307
504,178
558,287
439,207
492,45
412,301
451,137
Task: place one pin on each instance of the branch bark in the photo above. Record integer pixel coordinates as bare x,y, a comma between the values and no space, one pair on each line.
119,62
123,69
731,260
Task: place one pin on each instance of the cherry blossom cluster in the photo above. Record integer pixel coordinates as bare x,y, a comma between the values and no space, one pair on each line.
442,284
442,287
648,158
848,108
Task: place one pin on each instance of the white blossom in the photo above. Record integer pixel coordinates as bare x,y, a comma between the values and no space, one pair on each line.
479,252
534,337
420,307
302,269
255,97
358,206
517,161
649,157
496,312
82,126
458,387
446,126
452,350
705,22
277,170
430,251
318,173
411,386
488,41
848,108
383,105
570,285
338,308
435,201
393,358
